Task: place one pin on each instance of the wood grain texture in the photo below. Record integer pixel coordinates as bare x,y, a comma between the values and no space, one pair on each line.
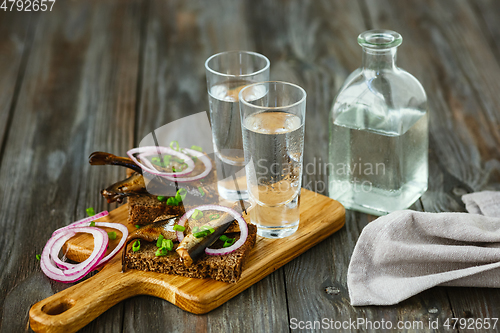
14,43
80,75
446,49
71,309
90,61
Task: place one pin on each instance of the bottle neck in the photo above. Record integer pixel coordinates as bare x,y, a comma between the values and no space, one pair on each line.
381,59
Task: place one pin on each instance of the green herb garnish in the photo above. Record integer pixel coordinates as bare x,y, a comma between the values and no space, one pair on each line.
137,226
197,214
136,246
172,202
90,211
166,160
198,148
38,257
195,229
214,216
180,195
159,241
179,227
156,161
207,228
201,234
92,224
161,198
174,144
112,235
201,190
167,244
224,238
229,242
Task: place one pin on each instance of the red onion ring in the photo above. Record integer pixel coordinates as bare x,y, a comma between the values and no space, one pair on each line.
203,158
47,264
83,221
154,150
54,253
237,216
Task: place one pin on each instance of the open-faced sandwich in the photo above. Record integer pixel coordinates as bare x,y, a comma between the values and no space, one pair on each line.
180,179
185,233
207,242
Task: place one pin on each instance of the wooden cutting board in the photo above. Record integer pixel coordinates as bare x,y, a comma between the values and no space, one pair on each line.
73,308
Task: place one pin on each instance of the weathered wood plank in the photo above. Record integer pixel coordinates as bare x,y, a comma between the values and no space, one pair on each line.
14,42
180,36
80,78
488,12
445,48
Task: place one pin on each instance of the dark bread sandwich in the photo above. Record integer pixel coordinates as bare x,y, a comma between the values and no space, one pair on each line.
145,207
146,249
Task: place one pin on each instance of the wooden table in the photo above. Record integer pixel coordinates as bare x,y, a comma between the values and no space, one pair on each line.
100,75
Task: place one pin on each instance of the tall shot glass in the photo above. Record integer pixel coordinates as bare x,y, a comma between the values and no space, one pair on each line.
273,142
227,73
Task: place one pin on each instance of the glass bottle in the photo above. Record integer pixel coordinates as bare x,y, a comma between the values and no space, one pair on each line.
378,143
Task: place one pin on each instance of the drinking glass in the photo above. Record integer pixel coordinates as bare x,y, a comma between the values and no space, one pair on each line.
227,73
273,142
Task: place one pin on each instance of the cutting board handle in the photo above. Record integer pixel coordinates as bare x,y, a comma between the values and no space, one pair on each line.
73,308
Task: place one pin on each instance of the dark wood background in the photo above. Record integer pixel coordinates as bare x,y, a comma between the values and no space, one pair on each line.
100,75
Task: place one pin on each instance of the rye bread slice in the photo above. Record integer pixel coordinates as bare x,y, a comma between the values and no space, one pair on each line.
145,208
226,268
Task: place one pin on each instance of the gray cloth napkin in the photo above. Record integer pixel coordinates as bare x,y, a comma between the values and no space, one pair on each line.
406,252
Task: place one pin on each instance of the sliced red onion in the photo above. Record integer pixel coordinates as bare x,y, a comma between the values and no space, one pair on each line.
146,165
83,221
79,271
203,158
54,253
237,216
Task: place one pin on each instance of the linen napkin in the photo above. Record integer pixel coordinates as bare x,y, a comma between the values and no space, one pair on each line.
405,252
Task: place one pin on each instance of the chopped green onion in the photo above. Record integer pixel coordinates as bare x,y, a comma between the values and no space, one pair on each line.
112,235
38,257
198,148
136,246
166,160
229,242
161,198
167,244
179,227
159,241
214,216
176,144
194,158
201,190
92,224
161,252
207,228
197,214
172,202
178,159
90,211
180,195
224,238
200,234
195,229
137,226
156,161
